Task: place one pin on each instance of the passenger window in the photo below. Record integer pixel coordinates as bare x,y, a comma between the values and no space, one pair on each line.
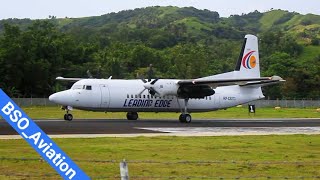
88,88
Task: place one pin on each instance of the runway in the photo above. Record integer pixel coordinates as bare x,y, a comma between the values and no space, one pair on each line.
216,127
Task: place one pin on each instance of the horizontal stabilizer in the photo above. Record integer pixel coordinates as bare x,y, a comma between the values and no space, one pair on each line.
273,80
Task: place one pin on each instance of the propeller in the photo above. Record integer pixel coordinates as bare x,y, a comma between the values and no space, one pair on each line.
149,85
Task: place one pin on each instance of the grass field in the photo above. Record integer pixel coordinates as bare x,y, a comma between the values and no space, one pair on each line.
244,157
232,157
56,113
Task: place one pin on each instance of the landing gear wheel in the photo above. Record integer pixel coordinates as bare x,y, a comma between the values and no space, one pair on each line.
185,118
132,116
188,118
68,117
182,118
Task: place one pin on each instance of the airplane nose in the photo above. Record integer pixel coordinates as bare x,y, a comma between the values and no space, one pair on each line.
52,97
59,98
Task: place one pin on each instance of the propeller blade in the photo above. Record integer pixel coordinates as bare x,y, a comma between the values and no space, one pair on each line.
89,74
143,80
150,73
154,81
153,91
142,91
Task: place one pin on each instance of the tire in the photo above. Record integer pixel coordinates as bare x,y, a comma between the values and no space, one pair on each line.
132,116
69,117
188,118
135,116
182,118
185,118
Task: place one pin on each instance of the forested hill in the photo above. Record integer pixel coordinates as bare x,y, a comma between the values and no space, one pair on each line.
179,42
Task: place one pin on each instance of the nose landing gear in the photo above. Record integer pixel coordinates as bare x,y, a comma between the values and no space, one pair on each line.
68,116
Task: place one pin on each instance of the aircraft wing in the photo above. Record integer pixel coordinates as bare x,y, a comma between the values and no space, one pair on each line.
228,82
68,79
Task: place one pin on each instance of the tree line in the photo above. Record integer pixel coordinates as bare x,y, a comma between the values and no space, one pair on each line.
31,59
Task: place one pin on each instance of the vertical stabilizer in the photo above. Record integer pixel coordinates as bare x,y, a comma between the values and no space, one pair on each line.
248,62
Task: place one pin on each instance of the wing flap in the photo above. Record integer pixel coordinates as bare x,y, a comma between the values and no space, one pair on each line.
228,82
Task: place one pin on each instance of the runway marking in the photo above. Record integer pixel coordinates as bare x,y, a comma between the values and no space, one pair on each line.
250,121
196,131
238,130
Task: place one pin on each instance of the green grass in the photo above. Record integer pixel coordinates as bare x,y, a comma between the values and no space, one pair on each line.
193,24
228,157
54,112
270,17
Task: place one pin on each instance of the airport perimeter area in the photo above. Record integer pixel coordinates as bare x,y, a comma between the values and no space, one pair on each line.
209,148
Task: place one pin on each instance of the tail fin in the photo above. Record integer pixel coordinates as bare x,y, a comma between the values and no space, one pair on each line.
248,62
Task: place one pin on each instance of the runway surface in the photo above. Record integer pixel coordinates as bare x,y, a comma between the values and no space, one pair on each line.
121,127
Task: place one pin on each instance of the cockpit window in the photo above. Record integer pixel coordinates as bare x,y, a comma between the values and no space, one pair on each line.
77,87
88,87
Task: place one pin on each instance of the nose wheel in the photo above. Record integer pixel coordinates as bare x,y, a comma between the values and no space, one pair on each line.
68,116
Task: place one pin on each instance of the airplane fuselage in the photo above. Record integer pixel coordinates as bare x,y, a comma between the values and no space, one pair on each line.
122,96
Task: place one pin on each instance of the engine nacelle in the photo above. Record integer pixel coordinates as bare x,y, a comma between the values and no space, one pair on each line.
166,87
195,91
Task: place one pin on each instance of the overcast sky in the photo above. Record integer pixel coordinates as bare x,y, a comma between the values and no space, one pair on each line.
40,9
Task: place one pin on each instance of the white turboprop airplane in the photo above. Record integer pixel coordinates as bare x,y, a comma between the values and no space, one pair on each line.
170,95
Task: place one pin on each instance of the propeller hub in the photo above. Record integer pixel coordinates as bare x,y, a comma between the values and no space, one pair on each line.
147,85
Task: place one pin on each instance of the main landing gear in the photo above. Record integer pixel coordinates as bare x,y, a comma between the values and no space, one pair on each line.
67,116
132,115
185,117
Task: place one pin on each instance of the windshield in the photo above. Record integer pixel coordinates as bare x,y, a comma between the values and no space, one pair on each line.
77,87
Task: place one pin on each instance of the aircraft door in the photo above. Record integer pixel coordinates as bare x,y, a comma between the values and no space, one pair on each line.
105,96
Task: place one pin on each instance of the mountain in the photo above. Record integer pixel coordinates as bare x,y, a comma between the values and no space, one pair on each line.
197,22
180,42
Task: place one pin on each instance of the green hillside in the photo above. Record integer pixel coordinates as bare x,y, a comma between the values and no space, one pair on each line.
180,42
269,19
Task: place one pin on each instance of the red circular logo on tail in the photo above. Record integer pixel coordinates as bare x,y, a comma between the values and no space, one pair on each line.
249,61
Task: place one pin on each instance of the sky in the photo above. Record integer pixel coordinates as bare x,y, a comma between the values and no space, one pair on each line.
41,9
